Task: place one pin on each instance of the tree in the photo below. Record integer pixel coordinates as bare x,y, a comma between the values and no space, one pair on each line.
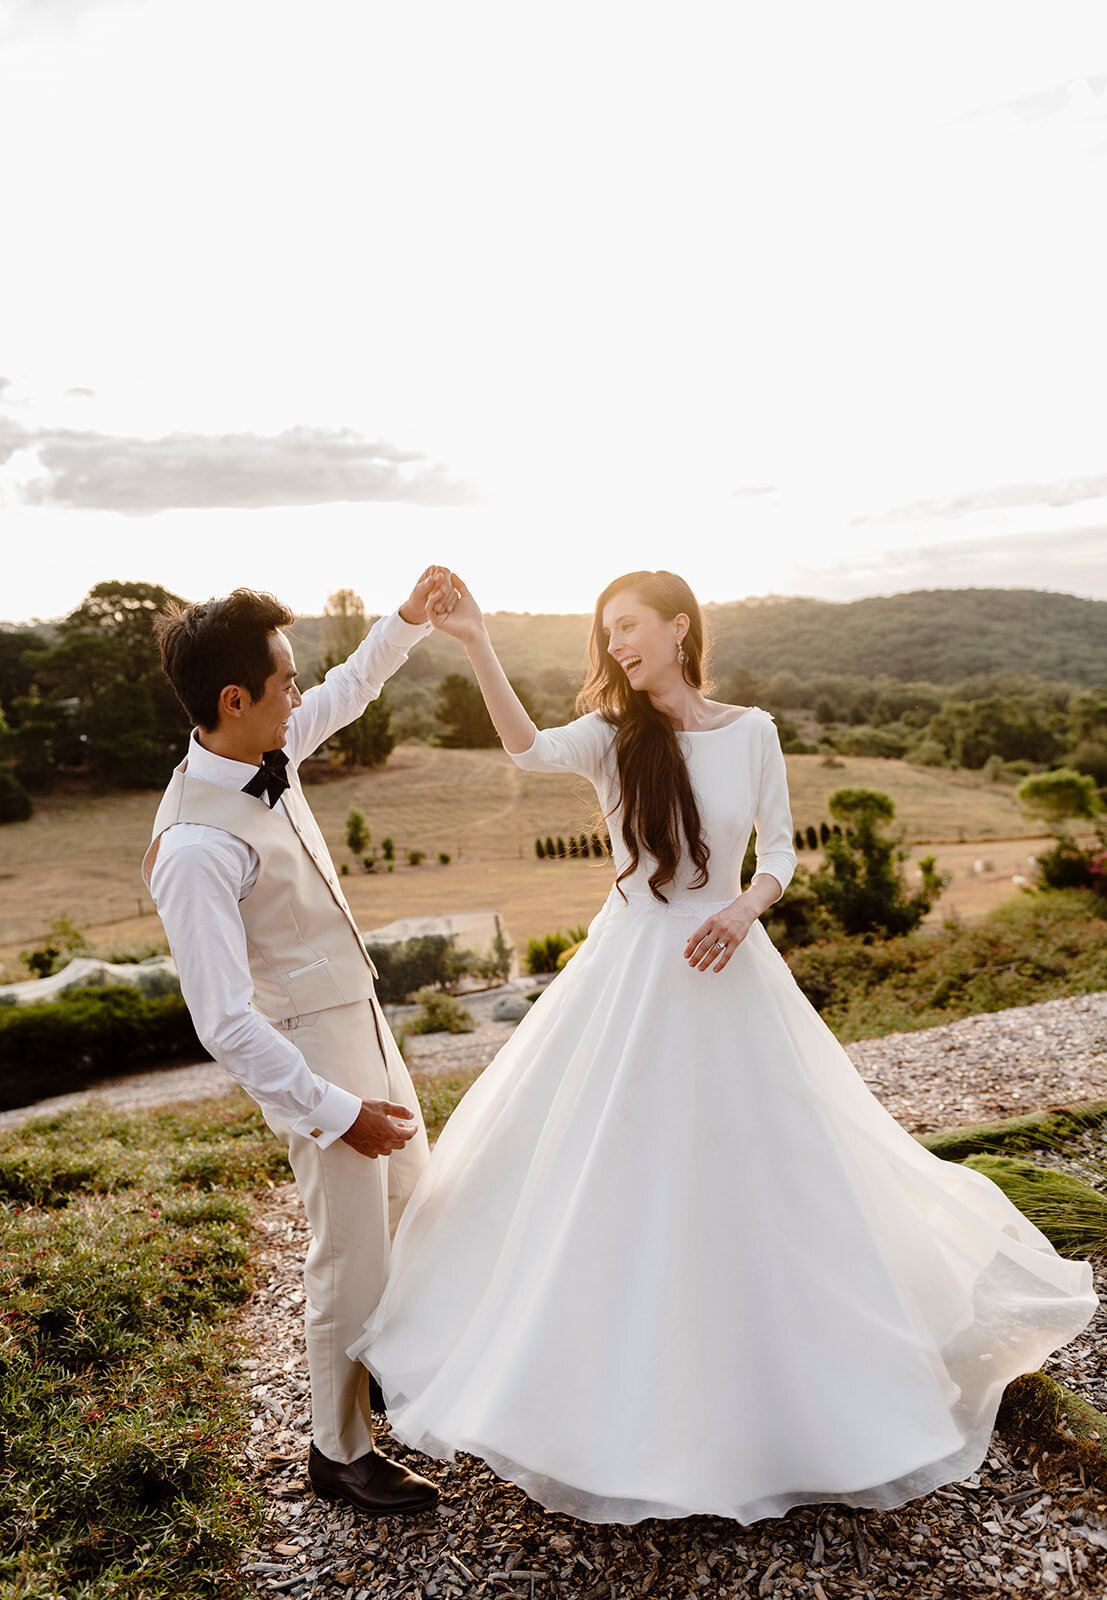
100,699
462,713
860,883
1060,796
15,802
368,741
15,672
357,833
539,849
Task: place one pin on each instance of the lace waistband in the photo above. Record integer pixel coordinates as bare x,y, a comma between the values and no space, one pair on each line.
644,902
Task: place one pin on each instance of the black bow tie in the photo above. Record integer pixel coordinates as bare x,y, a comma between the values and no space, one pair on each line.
269,780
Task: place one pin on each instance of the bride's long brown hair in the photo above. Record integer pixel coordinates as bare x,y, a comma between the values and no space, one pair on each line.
659,804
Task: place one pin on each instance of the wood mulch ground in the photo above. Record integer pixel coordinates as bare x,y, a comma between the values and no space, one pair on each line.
1005,1529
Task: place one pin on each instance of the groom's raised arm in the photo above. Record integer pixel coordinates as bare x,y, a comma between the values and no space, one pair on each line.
348,688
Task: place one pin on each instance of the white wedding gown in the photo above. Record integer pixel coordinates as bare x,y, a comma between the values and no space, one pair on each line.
670,1256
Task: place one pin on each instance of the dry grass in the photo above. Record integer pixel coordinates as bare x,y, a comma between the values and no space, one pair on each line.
79,855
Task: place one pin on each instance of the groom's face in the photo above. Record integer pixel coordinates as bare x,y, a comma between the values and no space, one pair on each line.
268,717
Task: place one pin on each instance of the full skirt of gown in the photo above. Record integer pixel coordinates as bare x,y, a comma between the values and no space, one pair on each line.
670,1256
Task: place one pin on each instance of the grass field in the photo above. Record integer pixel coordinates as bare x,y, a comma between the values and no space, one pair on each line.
79,855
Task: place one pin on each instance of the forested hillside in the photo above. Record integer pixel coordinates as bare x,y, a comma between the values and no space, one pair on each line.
933,635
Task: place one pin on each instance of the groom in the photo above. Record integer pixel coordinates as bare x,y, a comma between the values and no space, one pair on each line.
278,980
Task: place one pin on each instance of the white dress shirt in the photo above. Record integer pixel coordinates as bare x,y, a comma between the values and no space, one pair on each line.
202,873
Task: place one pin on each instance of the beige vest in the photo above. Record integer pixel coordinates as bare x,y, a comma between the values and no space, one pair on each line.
305,951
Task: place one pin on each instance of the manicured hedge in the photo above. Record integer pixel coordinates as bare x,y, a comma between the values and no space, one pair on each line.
66,1044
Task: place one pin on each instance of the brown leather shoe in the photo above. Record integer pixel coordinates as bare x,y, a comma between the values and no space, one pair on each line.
372,1483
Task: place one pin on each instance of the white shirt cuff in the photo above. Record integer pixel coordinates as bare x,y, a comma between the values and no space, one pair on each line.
404,634
335,1114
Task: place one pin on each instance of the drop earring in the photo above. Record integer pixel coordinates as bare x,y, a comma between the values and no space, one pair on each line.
681,657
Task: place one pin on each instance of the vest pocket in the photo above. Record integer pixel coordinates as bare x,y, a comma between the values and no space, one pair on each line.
298,972
312,987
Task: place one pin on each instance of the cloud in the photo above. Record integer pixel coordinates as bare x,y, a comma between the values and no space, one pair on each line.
24,15
1084,99
1065,492
303,466
1074,562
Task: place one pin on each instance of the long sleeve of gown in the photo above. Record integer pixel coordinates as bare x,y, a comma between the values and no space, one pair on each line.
579,746
773,822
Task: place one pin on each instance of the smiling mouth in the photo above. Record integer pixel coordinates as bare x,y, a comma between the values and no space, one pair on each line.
630,663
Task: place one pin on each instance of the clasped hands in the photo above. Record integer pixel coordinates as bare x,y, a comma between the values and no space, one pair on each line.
432,598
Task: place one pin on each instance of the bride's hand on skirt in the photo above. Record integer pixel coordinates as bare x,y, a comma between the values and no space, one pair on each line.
715,941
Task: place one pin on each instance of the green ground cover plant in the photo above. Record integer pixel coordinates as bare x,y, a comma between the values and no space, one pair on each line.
126,1243
1035,947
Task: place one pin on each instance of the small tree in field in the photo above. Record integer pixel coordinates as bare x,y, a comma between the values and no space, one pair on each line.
860,883
357,833
1061,796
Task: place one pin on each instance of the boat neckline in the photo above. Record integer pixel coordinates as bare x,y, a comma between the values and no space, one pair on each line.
723,726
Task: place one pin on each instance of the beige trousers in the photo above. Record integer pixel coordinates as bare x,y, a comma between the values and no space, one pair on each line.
353,1204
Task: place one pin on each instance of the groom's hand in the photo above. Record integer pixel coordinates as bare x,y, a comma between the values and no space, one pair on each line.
378,1131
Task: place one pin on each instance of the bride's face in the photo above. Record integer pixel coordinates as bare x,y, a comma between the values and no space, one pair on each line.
643,642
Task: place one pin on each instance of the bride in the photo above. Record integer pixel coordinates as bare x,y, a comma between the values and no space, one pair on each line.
670,1256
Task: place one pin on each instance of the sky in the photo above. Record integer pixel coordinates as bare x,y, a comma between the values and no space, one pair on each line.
791,299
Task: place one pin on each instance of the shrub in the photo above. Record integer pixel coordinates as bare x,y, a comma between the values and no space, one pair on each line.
597,847
1058,796
414,964
415,856
542,953
1035,947
65,941
812,838
860,882
539,849
561,847
15,802
441,1013
60,1046
497,962
388,848
927,753
444,858
1066,866
368,863
551,849
357,832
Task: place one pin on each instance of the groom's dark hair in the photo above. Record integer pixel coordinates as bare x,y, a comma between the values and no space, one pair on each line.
206,646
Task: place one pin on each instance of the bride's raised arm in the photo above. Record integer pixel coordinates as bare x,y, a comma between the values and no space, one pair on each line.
466,623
